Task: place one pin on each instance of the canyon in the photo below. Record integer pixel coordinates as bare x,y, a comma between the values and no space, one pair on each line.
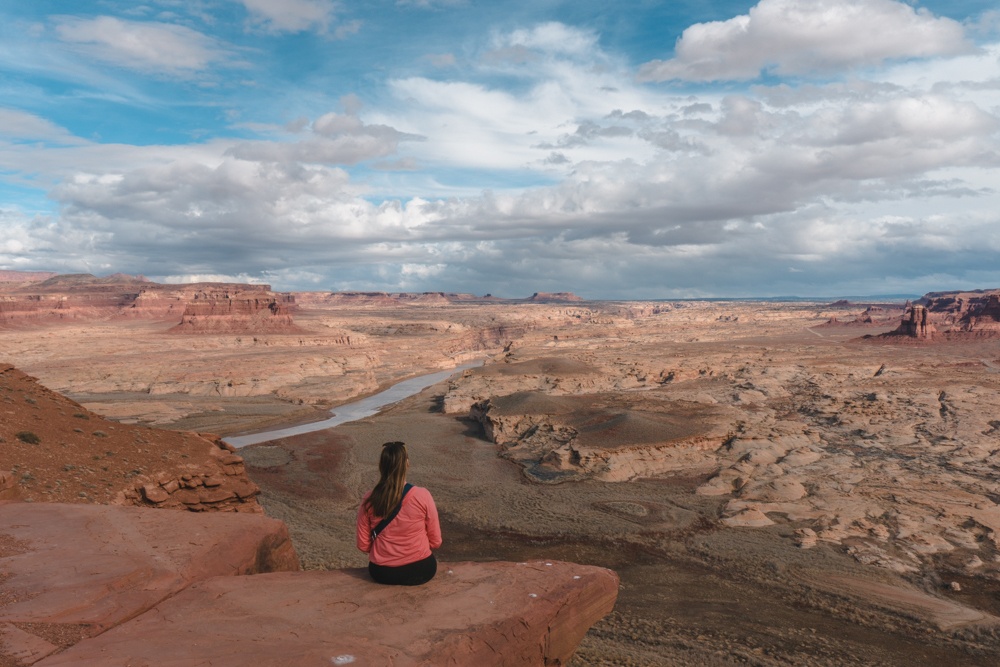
774,482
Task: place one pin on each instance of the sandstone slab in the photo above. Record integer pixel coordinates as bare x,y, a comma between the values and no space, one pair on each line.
495,613
68,572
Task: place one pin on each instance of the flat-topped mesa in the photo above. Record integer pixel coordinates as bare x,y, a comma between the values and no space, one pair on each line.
249,309
58,451
200,307
67,297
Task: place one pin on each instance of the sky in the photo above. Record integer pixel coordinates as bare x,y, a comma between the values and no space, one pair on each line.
623,150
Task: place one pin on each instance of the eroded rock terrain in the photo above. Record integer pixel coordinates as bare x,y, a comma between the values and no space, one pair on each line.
55,450
773,488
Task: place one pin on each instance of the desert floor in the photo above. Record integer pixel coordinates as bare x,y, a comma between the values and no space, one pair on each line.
838,506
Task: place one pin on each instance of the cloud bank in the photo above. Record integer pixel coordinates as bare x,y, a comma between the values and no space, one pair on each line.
541,159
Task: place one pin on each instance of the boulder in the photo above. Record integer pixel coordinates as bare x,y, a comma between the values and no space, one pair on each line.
495,613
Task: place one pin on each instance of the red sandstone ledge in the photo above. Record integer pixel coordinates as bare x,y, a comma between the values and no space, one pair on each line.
68,572
114,586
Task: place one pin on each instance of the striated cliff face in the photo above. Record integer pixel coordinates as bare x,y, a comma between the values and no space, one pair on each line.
236,311
55,450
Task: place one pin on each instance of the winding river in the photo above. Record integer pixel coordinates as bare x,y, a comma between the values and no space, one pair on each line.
366,407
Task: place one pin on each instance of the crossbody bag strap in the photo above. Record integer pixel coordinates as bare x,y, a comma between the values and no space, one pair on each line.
392,515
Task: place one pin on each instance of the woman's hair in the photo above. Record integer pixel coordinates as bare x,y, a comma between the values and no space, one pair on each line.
392,478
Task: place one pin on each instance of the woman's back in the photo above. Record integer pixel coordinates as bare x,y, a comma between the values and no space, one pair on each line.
410,537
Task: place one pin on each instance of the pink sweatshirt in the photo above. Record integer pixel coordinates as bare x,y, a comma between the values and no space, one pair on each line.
408,538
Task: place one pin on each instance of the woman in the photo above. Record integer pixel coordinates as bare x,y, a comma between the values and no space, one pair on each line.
399,552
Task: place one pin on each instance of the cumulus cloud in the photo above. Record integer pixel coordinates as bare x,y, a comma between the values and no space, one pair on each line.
791,37
334,139
150,47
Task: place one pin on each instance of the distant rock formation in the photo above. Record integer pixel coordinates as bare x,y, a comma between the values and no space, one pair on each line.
951,316
554,297
58,451
220,308
25,276
873,315
329,299
95,586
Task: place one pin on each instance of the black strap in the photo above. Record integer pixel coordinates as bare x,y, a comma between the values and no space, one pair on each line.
392,515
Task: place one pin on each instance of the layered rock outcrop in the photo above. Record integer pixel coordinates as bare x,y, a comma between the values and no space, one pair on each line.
602,436
235,311
121,586
565,419
951,316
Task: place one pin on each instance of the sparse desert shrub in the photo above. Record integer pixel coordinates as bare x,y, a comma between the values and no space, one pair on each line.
100,434
81,415
28,437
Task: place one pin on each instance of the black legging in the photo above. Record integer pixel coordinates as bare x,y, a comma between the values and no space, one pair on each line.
411,574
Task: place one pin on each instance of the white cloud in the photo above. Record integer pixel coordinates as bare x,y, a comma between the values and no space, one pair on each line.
335,139
158,48
633,191
189,278
792,37
291,15
552,38
20,126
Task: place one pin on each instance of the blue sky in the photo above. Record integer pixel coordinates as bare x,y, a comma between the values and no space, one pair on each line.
618,150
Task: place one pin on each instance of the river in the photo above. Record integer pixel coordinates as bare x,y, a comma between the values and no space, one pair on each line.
366,407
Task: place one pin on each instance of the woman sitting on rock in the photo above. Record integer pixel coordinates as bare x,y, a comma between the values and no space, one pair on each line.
398,524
